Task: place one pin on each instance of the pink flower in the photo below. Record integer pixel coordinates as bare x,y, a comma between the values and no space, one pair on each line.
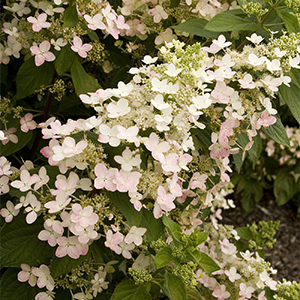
26,274
135,235
4,166
95,22
27,123
4,188
155,146
222,92
83,217
166,201
70,246
266,120
232,274
49,235
220,292
42,53
44,277
127,181
80,48
33,208
39,22
9,212
124,249
127,161
113,240
26,181
9,136
246,291
105,178
198,181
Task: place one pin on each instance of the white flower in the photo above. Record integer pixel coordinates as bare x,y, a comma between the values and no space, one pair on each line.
221,42
149,60
119,109
173,71
158,102
255,39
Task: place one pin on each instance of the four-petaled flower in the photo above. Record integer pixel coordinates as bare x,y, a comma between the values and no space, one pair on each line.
79,47
42,53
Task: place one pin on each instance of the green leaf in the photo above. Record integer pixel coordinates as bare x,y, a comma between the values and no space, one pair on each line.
12,288
277,133
173,228
252,194
164,257
20,244
71,16
63,265
3,74
174,287
30,77
290,95
64,60
128,290
296,77
229,22
238,160
83,82
193,294
122,201
244,233
155,227
289,19
284,187
23,138
196,27
174,3
207,264
255,150
198,237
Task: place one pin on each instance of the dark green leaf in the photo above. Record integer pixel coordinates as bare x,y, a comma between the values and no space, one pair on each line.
238,160
207,264
252,194
83,82
244,233
122,201
173,228
20,244
12,289
3,74
174,3
296,77
62,294
255,150
277,133
71,16
30,77
196,27
164,257
64,60
155,227
174,287
284,187
128,290
228,22
63,265
193,294
290,96
289,19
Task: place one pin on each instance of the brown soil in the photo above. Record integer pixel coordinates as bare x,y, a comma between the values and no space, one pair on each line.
285,255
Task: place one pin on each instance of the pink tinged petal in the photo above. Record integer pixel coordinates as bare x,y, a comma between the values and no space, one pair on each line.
31,217
49,56
39,60
77,42
44,46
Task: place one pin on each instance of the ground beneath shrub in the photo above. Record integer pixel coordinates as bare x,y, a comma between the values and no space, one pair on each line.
285,256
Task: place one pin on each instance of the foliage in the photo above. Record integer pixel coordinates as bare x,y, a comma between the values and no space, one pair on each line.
119,123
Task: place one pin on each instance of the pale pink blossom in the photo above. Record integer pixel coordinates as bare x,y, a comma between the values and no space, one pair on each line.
221,42
42,53
9,212
10,136
127,161
95,22
39,22
135,235
25,182
113,240
127,181
158,13
157,148
246,291
118,109
44,277
79,47
165,200
129,134
48,295
105,177
27,123
4,187
220,292
109,135
70,246
33,208
49,235
124,249
266,120
232,274
83,217
27,275
5,166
